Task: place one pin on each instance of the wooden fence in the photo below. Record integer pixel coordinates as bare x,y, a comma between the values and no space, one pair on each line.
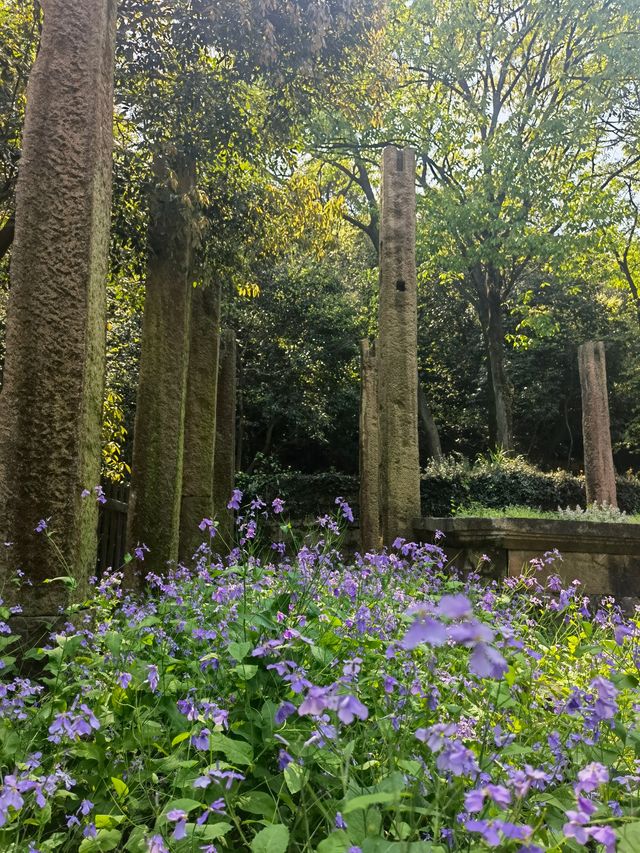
112,526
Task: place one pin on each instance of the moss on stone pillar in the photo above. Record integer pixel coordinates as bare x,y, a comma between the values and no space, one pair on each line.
51,401
224,465
398,347
156,475
600,475
369,448
200,417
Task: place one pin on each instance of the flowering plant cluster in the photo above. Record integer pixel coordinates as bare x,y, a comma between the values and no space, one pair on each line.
287,699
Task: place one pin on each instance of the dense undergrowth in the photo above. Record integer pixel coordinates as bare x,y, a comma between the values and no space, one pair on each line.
284,700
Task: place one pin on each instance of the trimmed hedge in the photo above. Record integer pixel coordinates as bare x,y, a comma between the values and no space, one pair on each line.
445,486
450,484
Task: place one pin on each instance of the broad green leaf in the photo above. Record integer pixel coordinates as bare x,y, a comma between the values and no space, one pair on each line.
184,805
236,751
294,777
366,800
629,838
239,651
108,821
271,839
106,839
337,842
179,738
121,787
246,671
209,831
258,802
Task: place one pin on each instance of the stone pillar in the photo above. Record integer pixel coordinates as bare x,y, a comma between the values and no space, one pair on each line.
600,475
200,417
398,347
224,458
156,472
51,401
369,449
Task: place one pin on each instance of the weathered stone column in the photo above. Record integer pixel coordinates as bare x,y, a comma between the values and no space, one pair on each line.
600,475
156,475
51,401
224,457
369,448
200,417
398,347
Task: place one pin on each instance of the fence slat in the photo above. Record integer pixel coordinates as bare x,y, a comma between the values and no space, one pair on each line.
112,525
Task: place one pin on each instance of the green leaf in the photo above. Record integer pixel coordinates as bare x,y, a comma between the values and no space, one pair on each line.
258,802
108,821
366,800
246,671
184,805
179,738
236,751
238,651
294,777
337,842
106,839
122,789
629,838
272,839
209,831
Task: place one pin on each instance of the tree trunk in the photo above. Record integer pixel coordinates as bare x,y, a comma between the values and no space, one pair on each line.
432,436
489,304
200,417
156,477
51,401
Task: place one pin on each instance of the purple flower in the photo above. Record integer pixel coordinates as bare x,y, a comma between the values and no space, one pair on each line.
284,759
277,505
179,817
42,525
487,662
123,679
157,845
457,759
285,710
591,777
201,740
340,821
315,702
236,499
425,630
348,708
605,706
152,677
345,509
454,607
208,524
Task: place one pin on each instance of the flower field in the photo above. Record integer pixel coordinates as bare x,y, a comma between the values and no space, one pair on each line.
285,699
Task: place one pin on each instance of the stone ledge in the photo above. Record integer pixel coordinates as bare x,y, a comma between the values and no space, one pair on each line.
542,534
603,556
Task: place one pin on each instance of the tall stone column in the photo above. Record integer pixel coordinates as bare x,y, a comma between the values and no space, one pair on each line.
369,448
224,457
200,417
600,475
156,472
51,401
398,347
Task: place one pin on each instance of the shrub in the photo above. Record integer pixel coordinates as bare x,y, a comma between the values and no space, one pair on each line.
297,703
502,481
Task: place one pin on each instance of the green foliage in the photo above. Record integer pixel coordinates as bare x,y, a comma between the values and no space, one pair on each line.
501,482
279,706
